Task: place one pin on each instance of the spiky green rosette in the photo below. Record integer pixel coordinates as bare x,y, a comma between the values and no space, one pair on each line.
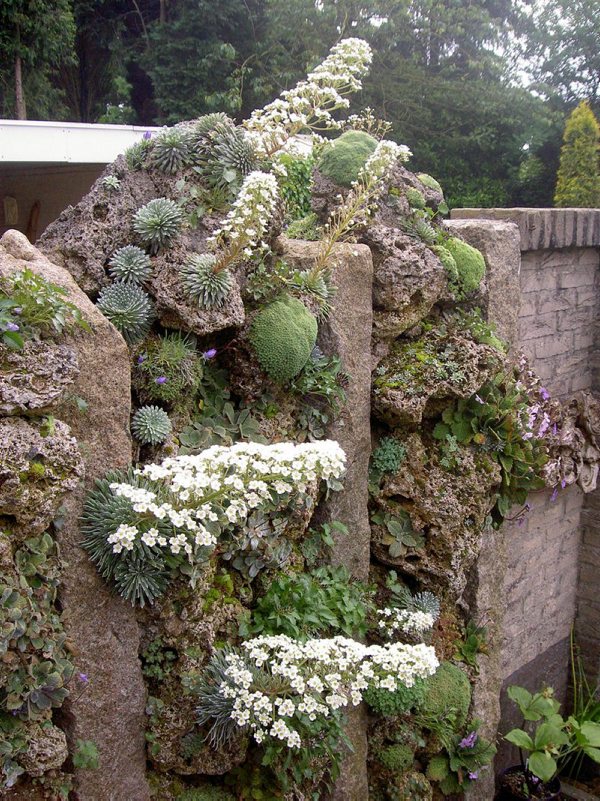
140,575
128,308
225,155
151,425
158,223
135,156
425,231
202,128
171,151
201,284
130,264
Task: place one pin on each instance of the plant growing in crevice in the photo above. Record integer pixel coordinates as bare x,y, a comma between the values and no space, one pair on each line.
458,766
202,284
399,534
158,223
385,459
296,185
130,264
128,308
136,154
169,369
171,151
322,382
473,642
151,425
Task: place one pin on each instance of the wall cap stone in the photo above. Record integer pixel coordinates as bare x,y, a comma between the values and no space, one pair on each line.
543,229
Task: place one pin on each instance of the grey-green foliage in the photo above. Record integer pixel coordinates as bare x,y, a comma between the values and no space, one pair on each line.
306,228
111,182
415,198
202,284
424,230
171,151
202,128
388,456
136,155
158,223
130,264
224,427
258,545
151,425
128,308
230,157
399,534
403,598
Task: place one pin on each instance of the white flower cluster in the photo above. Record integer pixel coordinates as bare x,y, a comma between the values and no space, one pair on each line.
311,103
394,620
249,217
317,677
381,161
221,485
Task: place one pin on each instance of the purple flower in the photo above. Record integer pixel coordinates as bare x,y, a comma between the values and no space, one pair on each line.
209,354
554,495
83,678
12,327
474,775
468,741
147,135
544,393
17,310
162,379
554,429
563,483
141,359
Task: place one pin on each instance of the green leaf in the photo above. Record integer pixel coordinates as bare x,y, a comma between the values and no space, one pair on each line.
520,738
593,753
541,764
549,736
591,732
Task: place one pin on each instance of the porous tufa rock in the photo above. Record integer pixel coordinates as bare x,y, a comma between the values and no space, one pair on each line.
34,379
41,462
46,750
408,280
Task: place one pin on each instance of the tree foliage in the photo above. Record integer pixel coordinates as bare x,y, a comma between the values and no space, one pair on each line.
578,182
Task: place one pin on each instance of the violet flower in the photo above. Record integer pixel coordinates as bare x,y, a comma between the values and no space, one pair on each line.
12,327
554,495
83,678
209,354
162,379
468,741
141,359
474,775
544,393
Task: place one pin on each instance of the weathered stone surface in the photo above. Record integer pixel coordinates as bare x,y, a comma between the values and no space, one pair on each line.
448,508
542,229
499,244
408,280
347,332
439,366
39,464
101,627
47,750
34,379
176,310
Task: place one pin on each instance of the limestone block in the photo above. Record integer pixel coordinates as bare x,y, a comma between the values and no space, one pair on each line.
101,627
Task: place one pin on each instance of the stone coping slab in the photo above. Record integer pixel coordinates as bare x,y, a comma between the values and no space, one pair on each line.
543,229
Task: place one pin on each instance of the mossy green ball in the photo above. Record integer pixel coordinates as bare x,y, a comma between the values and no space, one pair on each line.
469,263
448,263
396,758
343,160
448,691
283,336
430,182
388,703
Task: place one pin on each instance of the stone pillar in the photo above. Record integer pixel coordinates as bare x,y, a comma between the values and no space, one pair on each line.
347,332
100,626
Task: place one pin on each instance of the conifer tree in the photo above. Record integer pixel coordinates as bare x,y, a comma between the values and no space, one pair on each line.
578,183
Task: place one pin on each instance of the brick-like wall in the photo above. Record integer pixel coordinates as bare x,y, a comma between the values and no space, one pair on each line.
553,555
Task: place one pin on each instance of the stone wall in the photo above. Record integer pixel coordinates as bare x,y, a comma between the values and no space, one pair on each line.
553,555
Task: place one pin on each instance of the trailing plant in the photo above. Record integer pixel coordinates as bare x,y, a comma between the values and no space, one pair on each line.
33,308
141,528
323,602
151,425
130,264
310,104
283,335
497,420
399,534
168,368
128,308
353,213
552,740
158,223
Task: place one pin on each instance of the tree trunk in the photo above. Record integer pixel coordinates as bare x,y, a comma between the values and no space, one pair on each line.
20,106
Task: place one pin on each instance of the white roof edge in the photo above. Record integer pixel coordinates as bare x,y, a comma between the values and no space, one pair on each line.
31,141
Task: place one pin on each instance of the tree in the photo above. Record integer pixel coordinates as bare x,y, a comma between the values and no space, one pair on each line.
35,35
563,42
578,181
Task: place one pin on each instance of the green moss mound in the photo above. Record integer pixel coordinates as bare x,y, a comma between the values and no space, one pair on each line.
283,336
397,758
448,263
430,182
469,263
415,198
342,161
387,703
447,692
